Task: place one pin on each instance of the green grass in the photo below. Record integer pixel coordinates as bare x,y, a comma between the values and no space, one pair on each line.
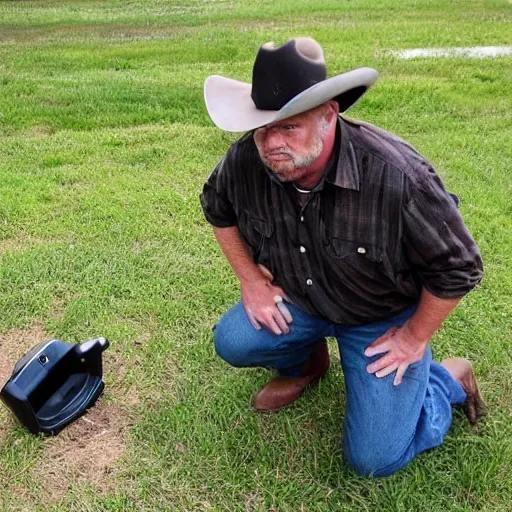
104,145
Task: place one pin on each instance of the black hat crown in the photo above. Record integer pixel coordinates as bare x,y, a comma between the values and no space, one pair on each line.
279,74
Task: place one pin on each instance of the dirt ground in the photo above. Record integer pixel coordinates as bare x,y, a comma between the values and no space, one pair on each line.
14,344
86,452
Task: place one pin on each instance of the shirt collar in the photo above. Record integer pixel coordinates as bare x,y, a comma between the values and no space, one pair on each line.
345,172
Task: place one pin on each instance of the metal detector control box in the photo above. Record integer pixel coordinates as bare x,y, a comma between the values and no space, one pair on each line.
54,383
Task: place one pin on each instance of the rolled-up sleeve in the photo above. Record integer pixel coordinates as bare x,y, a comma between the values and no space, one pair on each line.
437,242
215,202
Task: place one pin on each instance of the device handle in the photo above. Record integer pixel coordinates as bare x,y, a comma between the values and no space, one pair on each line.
89,354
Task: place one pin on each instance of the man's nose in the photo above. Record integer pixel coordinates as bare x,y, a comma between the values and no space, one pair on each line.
275,140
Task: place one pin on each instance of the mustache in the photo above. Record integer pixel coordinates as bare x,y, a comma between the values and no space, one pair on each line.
276,152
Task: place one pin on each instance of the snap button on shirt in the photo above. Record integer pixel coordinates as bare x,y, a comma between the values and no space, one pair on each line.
361,250
309,282
302,249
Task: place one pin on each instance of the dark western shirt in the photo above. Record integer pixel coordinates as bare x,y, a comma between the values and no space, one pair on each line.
359,248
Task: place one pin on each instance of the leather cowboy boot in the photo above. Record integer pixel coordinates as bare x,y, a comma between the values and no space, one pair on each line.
283,391
462,371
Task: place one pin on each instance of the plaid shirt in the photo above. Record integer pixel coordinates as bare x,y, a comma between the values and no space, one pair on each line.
378,227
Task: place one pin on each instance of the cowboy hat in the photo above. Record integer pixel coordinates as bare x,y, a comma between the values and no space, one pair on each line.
286,80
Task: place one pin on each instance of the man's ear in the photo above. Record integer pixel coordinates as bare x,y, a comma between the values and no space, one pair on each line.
332,110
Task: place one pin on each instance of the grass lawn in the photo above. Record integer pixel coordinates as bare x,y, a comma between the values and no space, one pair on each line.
104,145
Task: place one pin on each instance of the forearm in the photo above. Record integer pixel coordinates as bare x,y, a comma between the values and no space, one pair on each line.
430,314
258,292
237,254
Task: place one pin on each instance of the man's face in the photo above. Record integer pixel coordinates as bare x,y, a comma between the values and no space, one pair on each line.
288,147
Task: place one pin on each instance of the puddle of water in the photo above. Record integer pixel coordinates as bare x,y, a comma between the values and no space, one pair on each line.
475,52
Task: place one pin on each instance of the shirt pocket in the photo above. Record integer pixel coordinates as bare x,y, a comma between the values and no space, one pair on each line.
357,259
256,233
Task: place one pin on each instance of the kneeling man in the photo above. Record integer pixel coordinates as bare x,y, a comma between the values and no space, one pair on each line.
338,228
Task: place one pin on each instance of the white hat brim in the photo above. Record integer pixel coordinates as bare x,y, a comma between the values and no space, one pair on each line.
232,109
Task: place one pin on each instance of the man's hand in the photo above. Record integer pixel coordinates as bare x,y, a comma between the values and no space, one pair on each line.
263,303
402,348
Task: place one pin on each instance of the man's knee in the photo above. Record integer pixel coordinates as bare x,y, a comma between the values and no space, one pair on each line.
234,341
228,347
374,461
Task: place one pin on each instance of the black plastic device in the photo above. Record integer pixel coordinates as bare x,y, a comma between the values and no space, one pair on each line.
54,383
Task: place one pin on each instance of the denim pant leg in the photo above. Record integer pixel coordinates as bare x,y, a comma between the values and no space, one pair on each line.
241,345
386,426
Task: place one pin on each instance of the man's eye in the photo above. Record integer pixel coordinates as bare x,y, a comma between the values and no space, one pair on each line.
289,127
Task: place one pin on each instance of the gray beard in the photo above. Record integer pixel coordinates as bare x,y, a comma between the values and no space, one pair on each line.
301,161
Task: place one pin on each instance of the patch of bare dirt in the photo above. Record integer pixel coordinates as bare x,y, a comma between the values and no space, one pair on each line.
42,130
86,452
16,343
110,31
21,243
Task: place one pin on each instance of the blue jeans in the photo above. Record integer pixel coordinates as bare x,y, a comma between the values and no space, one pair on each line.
386,426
